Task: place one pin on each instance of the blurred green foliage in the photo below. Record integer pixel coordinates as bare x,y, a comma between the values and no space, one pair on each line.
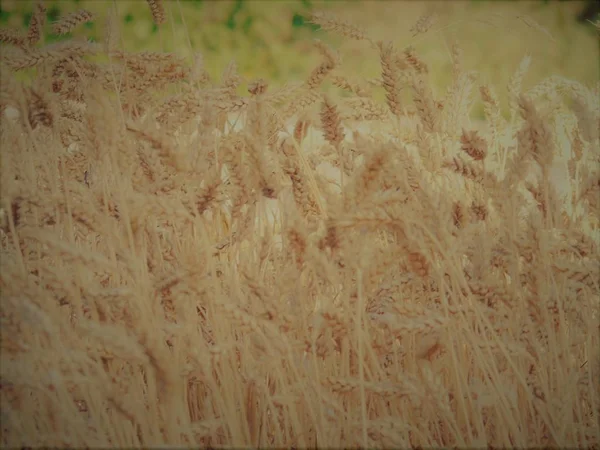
217,29
273,39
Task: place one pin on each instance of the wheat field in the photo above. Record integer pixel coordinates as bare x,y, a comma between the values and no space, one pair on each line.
295,267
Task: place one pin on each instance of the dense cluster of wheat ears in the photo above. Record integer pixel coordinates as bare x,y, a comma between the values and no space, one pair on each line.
184,265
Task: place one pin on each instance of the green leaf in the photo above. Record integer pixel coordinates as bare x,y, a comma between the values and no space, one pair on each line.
53,14
27,18
4,15
230,23
297,21
129,18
